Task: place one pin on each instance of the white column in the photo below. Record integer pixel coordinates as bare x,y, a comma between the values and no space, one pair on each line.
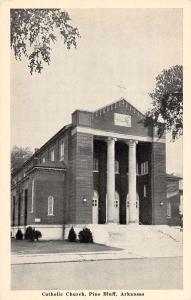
132,182
110,178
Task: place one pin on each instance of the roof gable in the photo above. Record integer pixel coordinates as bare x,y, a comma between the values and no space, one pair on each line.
122,103
121,117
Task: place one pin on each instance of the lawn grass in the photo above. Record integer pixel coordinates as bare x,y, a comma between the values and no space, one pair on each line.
57,246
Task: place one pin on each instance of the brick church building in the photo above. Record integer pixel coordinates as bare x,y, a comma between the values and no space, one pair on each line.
105,167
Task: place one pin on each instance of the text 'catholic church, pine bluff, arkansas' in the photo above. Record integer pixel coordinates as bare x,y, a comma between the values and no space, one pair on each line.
104,168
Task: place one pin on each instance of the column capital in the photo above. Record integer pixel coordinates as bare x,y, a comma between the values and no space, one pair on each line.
131,142
109,139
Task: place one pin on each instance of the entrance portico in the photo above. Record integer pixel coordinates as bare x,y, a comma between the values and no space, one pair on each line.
133,218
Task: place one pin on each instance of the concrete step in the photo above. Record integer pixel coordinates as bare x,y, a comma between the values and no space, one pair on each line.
133,233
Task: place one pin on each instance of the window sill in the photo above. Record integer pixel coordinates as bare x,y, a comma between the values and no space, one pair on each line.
95,171
50,215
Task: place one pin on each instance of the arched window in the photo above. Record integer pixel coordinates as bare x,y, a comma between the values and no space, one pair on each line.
50,206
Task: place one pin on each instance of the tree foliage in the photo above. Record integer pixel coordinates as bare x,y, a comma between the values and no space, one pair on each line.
167,105
18,156
33,31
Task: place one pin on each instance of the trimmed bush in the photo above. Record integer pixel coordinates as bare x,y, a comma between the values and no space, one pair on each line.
85,236
32,234
72,235
19,235
29,234
37,234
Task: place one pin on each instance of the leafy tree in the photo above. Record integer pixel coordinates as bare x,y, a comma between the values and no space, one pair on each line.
33,32
18,156
167,105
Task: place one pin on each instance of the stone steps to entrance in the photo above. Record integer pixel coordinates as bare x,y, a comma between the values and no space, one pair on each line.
133,233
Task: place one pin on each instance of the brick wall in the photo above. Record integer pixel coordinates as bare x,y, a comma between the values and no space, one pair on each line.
158,169
106,122
173,196
174,220
50,183
81,178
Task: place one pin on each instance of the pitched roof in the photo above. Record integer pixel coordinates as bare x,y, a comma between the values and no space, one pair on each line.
119,103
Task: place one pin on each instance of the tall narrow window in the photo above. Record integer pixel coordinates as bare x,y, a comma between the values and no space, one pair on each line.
144,168
116,167
52,155
50,206
137,168
96,165
169,210
43,160
145,190
62,150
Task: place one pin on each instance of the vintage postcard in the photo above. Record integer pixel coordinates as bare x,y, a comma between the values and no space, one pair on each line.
93,154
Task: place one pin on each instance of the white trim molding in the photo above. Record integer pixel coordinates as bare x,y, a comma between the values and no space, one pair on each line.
122,136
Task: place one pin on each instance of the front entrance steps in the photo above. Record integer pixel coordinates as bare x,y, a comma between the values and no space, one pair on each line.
131,234
147,240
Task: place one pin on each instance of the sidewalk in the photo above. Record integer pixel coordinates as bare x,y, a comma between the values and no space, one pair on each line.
71,257
166,243
134,252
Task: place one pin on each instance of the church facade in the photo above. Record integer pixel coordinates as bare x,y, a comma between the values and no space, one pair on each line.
105,167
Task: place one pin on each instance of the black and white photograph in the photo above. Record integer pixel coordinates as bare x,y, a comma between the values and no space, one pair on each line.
96,151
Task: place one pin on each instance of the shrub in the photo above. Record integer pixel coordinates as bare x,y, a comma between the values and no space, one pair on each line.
37,234
85,236
72,235
19,235
32,234
29,234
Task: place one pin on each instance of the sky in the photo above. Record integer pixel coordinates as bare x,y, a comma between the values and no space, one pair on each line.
119,54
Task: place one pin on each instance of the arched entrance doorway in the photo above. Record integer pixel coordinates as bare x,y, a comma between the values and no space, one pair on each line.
136,208
95,205
115,208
